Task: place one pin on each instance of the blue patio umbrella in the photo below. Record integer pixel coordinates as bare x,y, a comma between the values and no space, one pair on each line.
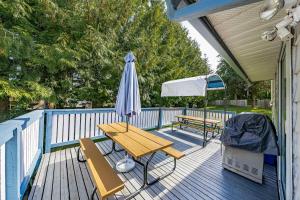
128,102
128,99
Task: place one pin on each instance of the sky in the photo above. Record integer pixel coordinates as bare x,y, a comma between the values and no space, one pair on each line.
205,47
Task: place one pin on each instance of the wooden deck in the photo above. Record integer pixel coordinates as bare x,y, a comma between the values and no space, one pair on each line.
199,175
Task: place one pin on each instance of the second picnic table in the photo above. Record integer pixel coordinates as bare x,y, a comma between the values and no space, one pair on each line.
198,123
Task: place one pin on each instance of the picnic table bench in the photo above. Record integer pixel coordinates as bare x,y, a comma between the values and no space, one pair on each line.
104,177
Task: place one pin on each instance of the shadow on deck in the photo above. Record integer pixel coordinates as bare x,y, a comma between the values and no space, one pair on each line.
199,175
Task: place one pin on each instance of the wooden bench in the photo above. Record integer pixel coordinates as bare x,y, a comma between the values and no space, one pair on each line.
170,151
105,178
173,152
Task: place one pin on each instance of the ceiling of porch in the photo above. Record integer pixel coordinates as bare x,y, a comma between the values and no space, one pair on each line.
240,28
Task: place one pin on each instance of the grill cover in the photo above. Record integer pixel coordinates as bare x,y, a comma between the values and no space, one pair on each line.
252,132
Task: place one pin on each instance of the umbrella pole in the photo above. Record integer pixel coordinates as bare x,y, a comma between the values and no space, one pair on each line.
205,136
225,106
127,122
205,104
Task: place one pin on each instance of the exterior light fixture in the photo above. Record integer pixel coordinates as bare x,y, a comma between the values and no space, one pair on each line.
270,9
269,35
282,29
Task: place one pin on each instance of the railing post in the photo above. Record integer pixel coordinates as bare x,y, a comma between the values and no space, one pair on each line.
48,131
12,167
160,118
41,131
123,118
2,172
184,111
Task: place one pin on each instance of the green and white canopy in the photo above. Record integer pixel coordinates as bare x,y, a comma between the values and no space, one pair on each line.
193,86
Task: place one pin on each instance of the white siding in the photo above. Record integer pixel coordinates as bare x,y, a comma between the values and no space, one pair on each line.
288,122
296,120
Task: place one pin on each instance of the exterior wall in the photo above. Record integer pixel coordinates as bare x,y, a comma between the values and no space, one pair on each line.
276,115
274,91
282,92
288,121
296,117
292,125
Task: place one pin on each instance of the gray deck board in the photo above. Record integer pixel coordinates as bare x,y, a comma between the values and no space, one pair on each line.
64,191
36,180
56,177
199,175
78,175
74,192
47,194
40,181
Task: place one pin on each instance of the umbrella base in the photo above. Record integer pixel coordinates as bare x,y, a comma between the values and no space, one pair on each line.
125,165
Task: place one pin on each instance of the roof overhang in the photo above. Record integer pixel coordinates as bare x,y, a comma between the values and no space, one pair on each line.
203,26
234,29
201,8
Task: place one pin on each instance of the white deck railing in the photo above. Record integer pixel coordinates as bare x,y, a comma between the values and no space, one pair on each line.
21,143
22,139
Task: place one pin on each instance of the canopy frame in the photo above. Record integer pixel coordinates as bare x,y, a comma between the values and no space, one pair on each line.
213,82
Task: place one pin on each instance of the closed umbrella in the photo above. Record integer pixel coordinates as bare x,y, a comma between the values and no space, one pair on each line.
128,102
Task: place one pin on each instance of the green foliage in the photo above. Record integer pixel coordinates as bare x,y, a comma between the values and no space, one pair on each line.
75,49
237,88
28,92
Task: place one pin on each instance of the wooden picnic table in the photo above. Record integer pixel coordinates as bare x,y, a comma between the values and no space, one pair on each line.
198,123
137,143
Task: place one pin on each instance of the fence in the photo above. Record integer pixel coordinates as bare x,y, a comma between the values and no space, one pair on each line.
263,103
22,139
260,103
242,103
21,144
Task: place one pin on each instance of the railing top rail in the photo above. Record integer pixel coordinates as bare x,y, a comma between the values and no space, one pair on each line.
172,108
217,111
89,110
21,122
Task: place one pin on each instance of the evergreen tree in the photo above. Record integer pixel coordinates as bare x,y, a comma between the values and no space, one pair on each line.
237,88
62,50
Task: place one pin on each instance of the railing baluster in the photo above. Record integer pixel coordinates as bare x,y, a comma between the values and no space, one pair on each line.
71,127
48,132
88,125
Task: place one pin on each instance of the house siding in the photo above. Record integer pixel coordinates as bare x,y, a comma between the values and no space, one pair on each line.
296,119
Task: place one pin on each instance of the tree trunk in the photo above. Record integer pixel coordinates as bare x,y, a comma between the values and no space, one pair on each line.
253,102
4,105
235,96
